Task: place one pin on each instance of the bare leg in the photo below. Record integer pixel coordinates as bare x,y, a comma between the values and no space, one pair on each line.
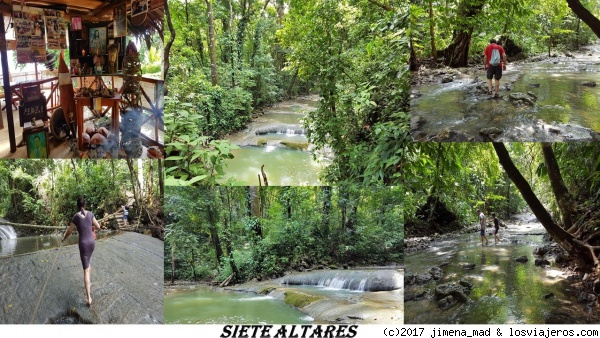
496,238
86,282
497,86
489,82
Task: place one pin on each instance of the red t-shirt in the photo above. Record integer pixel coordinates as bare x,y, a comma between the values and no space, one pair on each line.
488,53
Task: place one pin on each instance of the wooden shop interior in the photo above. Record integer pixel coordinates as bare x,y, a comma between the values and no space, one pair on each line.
97,103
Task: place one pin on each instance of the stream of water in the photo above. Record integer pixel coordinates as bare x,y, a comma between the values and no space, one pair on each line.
504,290
564,110
276,140
201,304
23,245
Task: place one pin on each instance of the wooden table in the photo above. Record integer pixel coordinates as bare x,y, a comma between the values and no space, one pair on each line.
112,102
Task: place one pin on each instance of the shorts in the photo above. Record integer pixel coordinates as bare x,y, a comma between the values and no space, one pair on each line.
481,232
495,72
124,217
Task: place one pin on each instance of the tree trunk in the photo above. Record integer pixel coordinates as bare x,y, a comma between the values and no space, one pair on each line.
134,182
562,237
562,194
585,16
577,31
326,191
172,265
213,229
193,264
457,53
227,222
432,30
161,182
167,50
412,59
211,44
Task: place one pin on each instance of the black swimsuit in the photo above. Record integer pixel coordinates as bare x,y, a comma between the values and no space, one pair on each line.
87,242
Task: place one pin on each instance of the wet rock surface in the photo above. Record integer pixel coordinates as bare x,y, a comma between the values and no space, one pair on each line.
381,307
534,105
126,276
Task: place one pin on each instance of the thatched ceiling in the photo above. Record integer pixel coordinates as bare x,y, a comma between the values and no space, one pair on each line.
97,11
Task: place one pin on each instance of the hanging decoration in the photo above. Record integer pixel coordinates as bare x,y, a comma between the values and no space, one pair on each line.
30,34
56,29
139,11
120,20
132,74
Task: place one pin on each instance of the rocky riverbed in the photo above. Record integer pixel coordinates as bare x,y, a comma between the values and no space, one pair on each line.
541,99
524,278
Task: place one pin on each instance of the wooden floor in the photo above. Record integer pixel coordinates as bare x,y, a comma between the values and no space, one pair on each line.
57,149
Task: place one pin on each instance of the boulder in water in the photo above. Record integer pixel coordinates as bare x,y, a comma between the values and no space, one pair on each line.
450,289
539,251
436,273
447,79
465,283
446,302
490,132
589,84
559,318
416,122
535,85
416,279
522,259
541,262
469,266
585,297
521,98
548,295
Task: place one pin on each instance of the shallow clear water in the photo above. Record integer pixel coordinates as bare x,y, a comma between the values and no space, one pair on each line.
284,167
202,305
504,291
22,245
562,99
276,140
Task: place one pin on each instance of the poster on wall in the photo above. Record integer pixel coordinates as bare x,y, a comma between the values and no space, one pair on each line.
120,21
76,24
139,7
30,34
56,29
98,40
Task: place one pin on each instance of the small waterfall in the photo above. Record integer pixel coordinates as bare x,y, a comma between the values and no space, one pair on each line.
354,280
362,285
289,130
7,232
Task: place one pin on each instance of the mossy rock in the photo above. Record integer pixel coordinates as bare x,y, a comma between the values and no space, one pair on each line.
261,142
295,145
266,290
298,299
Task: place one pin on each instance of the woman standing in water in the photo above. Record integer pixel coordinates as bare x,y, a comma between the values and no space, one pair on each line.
86,225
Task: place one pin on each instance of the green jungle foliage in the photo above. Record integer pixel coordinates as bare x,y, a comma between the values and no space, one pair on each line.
546,26
45,192
261,233
465,177
353,53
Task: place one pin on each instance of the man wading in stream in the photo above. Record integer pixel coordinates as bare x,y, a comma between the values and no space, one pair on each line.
482,227
494,60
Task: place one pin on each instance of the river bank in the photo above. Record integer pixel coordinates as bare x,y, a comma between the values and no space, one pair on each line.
451,278
276,139
542,99
339,298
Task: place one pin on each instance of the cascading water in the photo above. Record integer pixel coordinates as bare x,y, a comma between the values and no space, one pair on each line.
353,280
7,232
